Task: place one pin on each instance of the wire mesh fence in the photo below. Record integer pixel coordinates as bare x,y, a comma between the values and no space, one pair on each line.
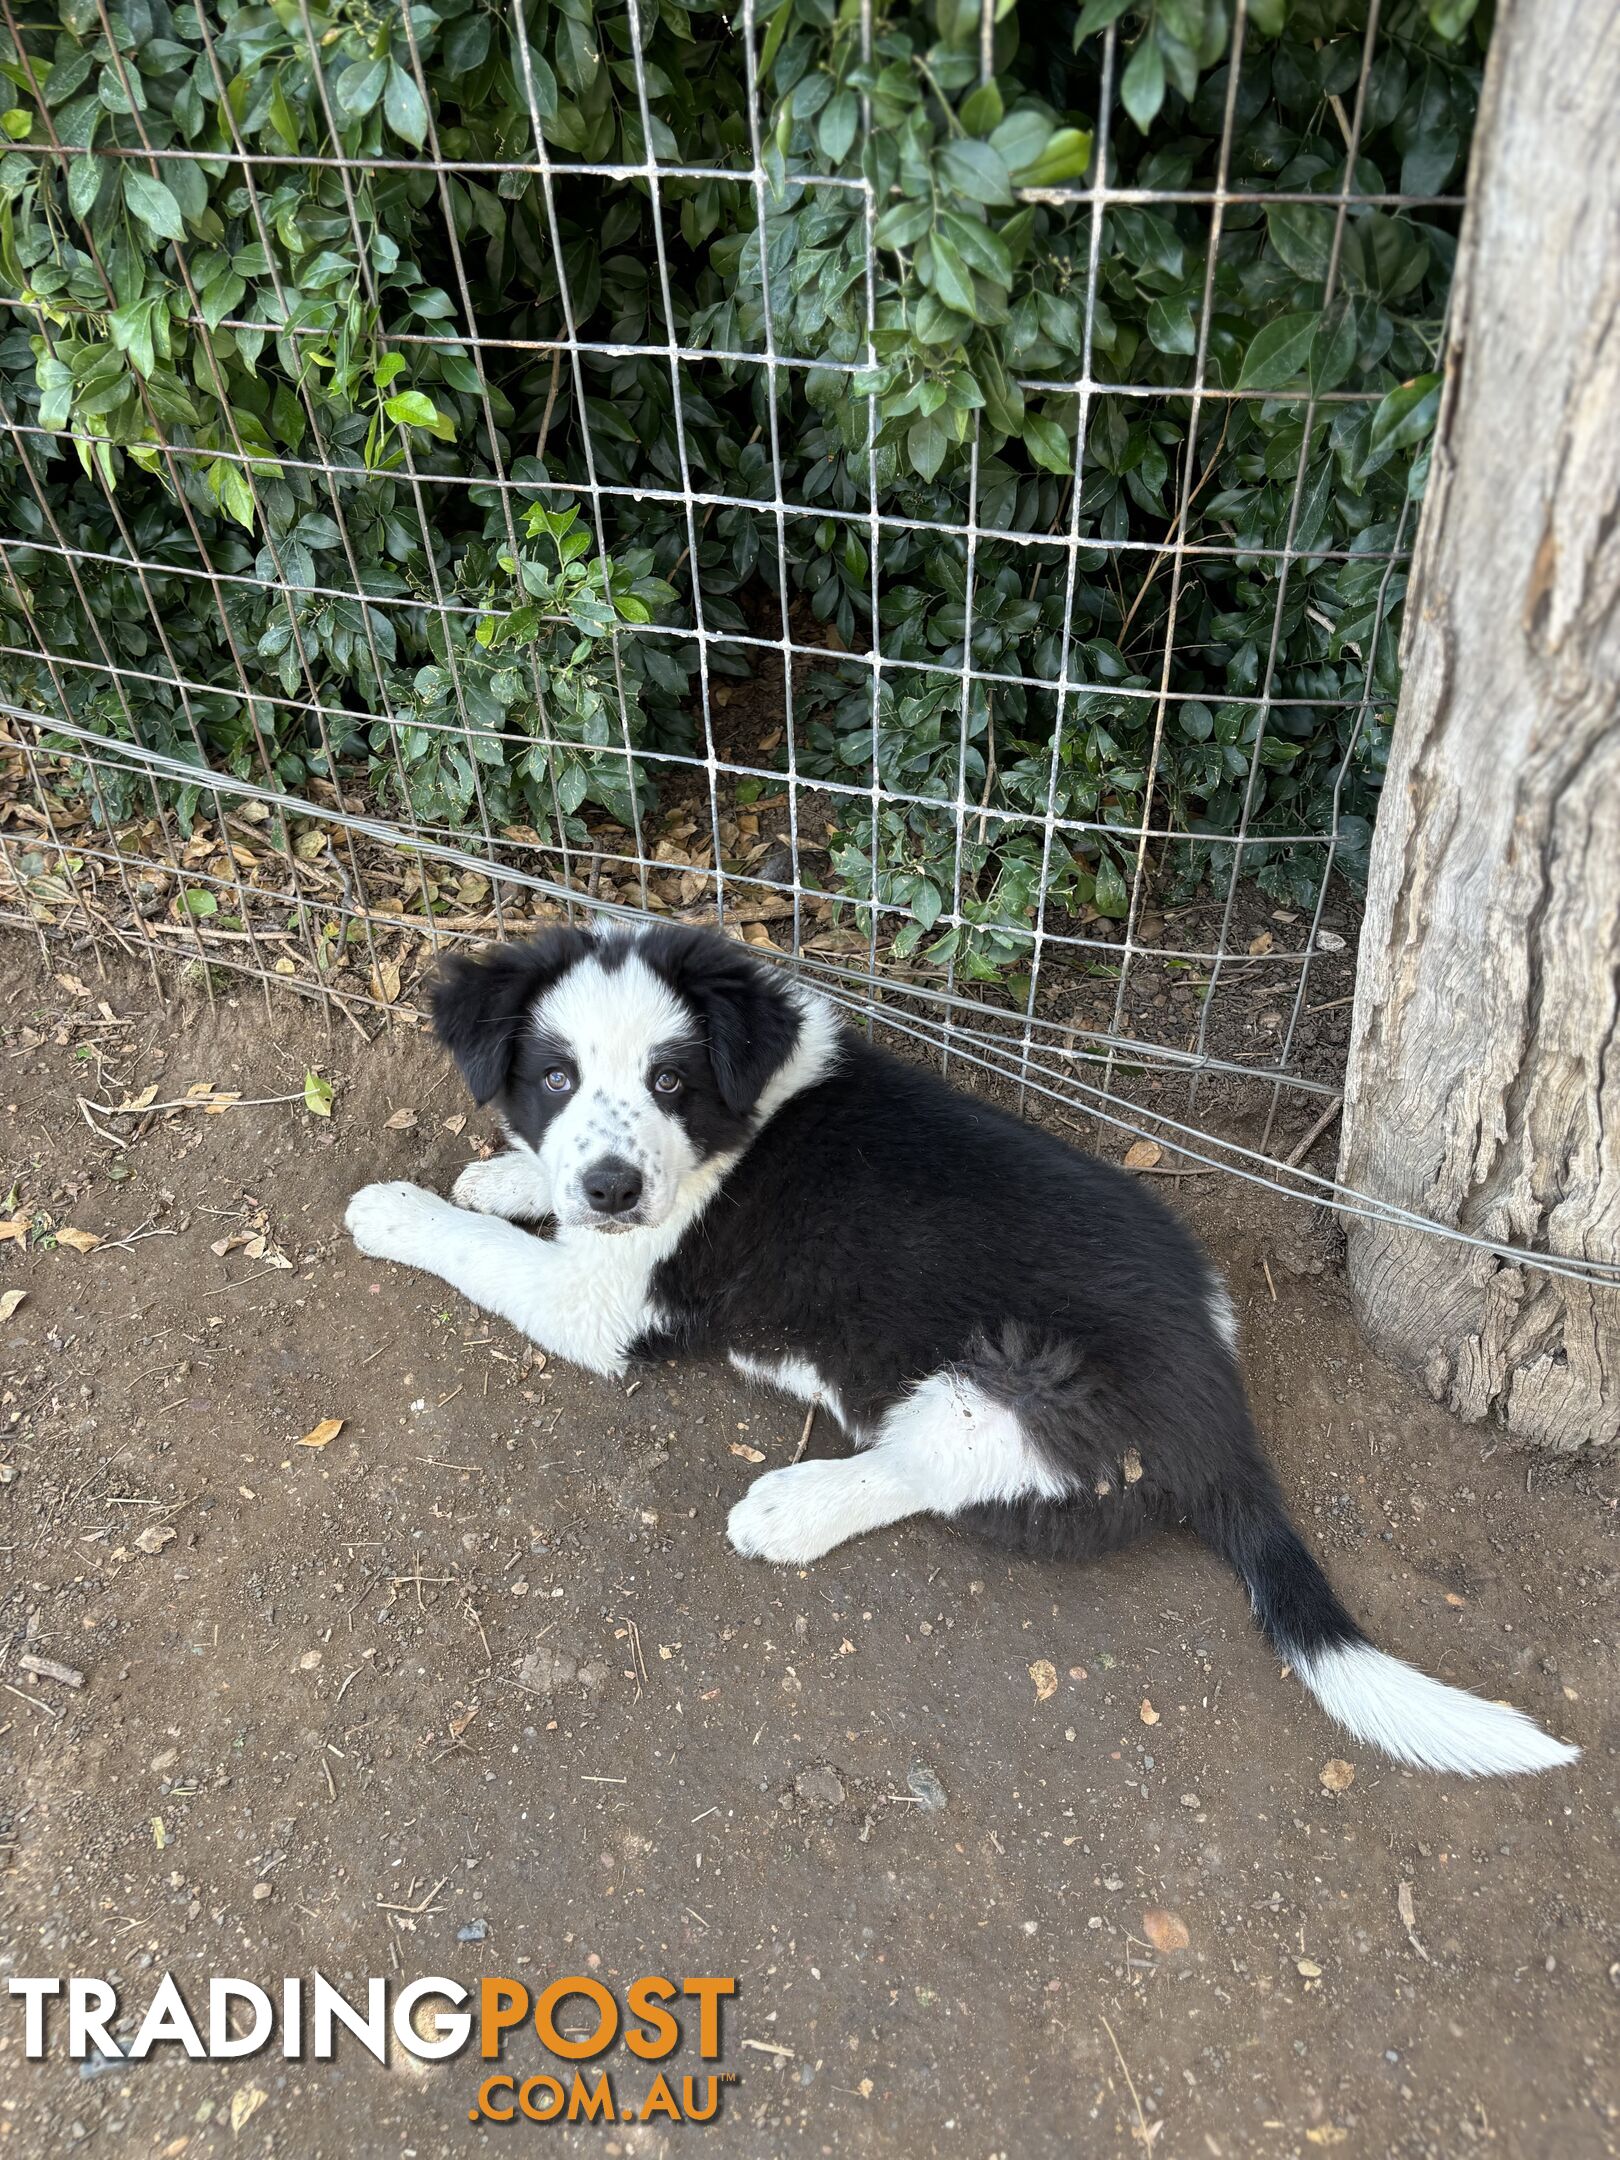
219,756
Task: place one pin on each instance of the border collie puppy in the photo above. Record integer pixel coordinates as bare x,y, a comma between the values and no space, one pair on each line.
704,1162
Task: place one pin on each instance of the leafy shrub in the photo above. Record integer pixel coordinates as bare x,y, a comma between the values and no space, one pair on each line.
326,525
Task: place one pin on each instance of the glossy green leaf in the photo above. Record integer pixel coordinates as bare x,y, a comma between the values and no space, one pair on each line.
1278,353
404,108
976,170
1404,417
1141,87
1047,443
154,204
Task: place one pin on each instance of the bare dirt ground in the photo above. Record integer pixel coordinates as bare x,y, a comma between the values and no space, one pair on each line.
479,1688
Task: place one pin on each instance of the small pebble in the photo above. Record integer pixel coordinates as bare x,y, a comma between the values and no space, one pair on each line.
923,1783
821,1785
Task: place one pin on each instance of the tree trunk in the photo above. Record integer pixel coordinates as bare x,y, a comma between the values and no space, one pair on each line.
1484,1078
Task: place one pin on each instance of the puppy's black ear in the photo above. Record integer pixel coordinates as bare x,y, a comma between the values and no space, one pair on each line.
479,1004
750,1023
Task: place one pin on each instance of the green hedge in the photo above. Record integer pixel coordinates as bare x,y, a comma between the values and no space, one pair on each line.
163,314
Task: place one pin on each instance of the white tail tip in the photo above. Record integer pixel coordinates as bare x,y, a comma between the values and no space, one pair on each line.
1421,1721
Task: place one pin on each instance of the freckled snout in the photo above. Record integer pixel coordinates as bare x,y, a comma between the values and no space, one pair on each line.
612,1187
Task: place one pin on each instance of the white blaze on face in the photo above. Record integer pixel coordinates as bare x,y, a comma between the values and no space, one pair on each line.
613,1021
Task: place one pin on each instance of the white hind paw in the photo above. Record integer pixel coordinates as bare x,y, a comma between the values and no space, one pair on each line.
795,1515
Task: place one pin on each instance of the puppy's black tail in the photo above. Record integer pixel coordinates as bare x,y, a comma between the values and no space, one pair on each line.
1379,1698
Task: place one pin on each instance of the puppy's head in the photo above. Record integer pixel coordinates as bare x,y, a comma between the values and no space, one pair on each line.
627,1060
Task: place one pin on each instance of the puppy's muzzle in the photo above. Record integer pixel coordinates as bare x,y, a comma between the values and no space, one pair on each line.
612,1188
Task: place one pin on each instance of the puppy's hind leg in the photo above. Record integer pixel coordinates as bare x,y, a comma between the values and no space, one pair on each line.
948,1447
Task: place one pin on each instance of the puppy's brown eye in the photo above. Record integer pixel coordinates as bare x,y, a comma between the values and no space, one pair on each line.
559,1081
667,1083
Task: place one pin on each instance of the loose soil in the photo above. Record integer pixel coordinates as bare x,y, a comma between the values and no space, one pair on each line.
478,1687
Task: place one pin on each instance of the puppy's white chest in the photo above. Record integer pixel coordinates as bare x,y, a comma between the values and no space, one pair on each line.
607,1280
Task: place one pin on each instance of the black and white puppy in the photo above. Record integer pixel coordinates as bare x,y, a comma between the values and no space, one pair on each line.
1013,1335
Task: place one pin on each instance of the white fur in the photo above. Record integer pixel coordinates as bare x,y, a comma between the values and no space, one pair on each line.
948,1446
814,1054
580,1295
1421,1721
614,1023
515,1185
1224,1314
795,1376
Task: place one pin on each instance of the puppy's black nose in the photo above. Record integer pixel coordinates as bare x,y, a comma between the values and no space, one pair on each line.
612,1186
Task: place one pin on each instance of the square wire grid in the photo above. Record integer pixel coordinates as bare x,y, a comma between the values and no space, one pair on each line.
333,911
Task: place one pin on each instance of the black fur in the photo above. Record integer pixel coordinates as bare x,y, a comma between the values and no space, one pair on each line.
884,1227
479,1005
749,1027
928,1230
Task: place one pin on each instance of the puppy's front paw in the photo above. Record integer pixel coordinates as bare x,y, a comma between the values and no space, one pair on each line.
506,1185
396,1221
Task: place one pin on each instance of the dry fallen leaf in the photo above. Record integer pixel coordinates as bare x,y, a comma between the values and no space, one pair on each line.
1142,1154
10,1302
154,1538
748,1454
1263,943
1453,1599
1336,1776
456,1124
322,1434
385,981
80,1240
1044,1674
245,2101
1148,1714
1166,1931
18,1227
1327,2134
143,1101
401,1121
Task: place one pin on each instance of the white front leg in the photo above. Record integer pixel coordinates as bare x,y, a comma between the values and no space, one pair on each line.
566,1295
513,1184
